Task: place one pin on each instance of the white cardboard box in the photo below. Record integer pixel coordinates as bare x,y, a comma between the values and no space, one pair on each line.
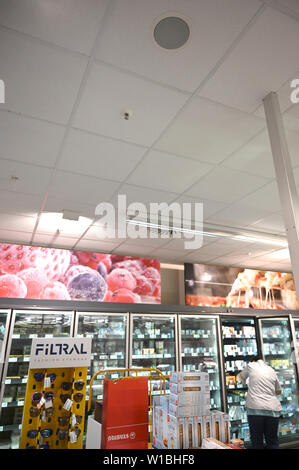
175,432
178,377
197,430
185,410
191,398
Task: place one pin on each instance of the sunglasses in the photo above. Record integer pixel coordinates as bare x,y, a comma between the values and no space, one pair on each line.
78,397
66,385
78,419
36,398
34,412
49,396
46,433
77,431
49,411
62,433
32,434
45,446
39,376
79,385
63,420
64,397
52,377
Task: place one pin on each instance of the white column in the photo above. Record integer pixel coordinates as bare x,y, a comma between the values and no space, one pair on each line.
285,179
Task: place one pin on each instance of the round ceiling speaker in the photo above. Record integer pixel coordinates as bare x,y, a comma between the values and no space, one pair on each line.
171,33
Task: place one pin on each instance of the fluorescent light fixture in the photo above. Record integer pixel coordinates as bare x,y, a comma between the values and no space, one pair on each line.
50,221
206,277
274,241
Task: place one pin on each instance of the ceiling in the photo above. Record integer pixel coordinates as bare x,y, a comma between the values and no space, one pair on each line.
196,131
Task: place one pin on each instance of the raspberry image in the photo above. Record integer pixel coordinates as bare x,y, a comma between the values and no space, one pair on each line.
153,275
35,281
74,271
125,295
144,286
93,259
134,266
55,290
151,263
87,286
15,258
120,278
108,296
12,286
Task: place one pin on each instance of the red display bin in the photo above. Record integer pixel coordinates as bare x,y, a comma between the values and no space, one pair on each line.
125,414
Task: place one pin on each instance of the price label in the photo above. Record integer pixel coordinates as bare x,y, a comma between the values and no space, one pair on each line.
13,359
16,336
4,405
8,381
20,403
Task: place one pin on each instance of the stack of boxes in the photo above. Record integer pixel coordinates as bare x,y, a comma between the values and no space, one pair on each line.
183,419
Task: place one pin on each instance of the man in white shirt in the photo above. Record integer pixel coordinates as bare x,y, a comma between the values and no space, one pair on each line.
262,403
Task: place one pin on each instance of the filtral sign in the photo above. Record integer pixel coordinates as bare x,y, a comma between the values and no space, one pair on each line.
60,352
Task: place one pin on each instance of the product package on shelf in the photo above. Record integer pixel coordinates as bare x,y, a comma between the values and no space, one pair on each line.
212,443
199,377
54,406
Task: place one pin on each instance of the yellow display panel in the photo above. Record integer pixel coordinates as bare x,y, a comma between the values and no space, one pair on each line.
46,422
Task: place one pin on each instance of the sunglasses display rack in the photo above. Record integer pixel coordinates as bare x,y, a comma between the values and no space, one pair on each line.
54,409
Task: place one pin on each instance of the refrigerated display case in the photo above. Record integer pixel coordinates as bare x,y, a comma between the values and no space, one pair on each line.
278,351
198,350
240,345
296,325
109,350
4,325
153,344
25,325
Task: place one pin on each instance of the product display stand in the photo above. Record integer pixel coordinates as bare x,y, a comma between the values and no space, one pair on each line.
54,406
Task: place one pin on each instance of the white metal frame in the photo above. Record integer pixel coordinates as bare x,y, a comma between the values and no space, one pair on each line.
153,317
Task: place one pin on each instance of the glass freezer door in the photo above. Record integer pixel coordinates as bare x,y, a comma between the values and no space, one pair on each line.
109,344
4,325
278,352
199,351
25,326
154,344
239,347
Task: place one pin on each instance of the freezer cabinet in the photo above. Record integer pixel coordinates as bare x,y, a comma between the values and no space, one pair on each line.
109,350
239,339
278,348
198,350
4,326
25,325
153,344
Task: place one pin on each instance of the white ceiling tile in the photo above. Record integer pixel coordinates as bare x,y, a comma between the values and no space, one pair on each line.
53,223
90,154
12,236
144,195
215,23
17,222
291,119
95,245
167,172
263,60
31,179
59,205
226,185
291,4
236,215
41,81
131,250
209,207
109,92
209,131
64,242
19,203
165,254
84,189
265,198
255,157
273,222
29,140
72,23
